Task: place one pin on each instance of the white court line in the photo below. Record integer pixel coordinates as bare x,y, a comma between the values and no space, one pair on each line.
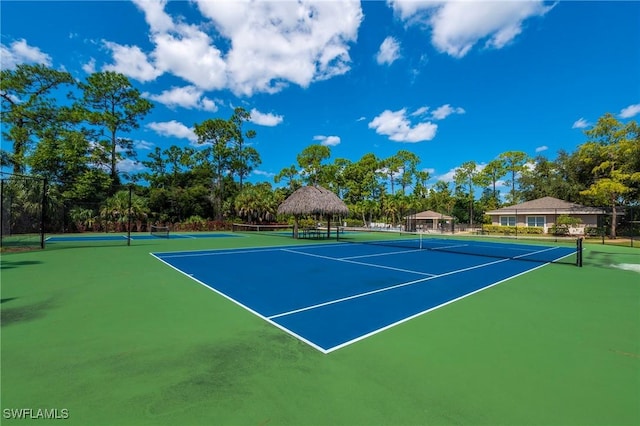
373,265
331,302
393,287
258,249
449,247
286,330
364,336
219,252
184,236
328,350
379,254
496,245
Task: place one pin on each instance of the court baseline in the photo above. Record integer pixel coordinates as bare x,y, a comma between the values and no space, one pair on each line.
329,300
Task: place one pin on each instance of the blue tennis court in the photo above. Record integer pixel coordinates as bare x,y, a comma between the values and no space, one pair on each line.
123,237
332,295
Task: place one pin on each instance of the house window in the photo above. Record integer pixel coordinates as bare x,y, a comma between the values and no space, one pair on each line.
535,221
507,220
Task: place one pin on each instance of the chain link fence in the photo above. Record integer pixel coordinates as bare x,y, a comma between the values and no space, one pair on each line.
22,211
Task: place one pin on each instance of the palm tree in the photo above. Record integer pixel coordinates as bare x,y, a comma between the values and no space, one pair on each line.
83,218
256,203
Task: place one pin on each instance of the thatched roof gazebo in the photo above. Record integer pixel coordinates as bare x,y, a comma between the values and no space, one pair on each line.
313,200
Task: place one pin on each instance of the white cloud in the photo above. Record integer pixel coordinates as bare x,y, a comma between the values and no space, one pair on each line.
208,105
263,173
173,129
90,67
183,50
155,15
273,43
581,124
389,51
396,125
447,177
144,145
444,111
385,171
456,27
450,175
420,111
542,148
128,165
19,52
189,97
131,61
327,140
189,53
362,118
270,44
256,46
267,119
630,111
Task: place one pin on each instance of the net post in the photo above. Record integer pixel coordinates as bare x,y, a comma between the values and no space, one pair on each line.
579,252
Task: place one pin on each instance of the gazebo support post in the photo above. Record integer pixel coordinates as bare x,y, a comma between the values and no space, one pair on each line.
312,200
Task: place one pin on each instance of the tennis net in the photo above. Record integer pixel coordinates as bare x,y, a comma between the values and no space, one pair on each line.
160,231
277,230
540,250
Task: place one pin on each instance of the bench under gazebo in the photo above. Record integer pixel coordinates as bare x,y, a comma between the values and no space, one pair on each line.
313,200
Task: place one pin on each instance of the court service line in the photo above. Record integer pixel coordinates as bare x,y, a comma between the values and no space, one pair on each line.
344,299
373,265
364,336
379,254
256,249
393,287
448,247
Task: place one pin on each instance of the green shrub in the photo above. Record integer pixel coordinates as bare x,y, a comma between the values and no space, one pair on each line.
512,230
592,231
559,230
352,222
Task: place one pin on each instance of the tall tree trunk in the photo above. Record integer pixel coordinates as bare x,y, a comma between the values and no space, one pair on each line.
614,217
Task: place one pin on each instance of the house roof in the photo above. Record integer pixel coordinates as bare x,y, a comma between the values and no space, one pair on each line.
429,214
547,205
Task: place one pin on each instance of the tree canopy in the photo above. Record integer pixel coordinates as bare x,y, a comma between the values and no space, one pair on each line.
75,133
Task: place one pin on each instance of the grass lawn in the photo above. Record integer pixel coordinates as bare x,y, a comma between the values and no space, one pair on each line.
114,337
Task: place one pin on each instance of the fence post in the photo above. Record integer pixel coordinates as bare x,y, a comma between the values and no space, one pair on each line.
1,211
43,213
129,217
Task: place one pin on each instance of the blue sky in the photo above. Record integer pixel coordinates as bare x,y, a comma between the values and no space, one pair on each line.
449,81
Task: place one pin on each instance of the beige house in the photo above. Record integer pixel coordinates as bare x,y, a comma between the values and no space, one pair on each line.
428,220
544,213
